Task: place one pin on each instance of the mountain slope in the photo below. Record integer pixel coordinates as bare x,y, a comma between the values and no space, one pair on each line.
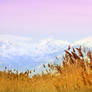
87,42
18,52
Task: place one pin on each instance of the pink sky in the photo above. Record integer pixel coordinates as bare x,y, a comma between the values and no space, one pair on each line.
62,19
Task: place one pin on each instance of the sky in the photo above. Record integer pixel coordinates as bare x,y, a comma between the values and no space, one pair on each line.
60,19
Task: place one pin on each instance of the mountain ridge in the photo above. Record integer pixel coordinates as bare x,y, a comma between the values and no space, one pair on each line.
24,52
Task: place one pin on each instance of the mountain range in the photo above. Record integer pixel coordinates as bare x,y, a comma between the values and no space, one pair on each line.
24,53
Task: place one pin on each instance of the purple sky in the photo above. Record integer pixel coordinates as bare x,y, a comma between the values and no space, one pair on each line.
62,19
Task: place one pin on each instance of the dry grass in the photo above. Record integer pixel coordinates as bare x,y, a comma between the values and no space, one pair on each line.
74,75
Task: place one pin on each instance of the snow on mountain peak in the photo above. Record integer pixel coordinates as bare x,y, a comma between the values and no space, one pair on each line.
86,42
15,45
11,45
55,42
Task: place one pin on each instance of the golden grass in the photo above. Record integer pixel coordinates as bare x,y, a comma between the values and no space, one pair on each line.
74,75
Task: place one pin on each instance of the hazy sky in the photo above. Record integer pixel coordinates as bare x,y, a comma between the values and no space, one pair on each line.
61,19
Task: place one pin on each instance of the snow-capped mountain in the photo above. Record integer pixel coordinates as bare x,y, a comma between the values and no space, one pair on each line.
25,53
86,42
18,52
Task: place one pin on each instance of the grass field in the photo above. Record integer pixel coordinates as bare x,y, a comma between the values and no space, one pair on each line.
74,75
